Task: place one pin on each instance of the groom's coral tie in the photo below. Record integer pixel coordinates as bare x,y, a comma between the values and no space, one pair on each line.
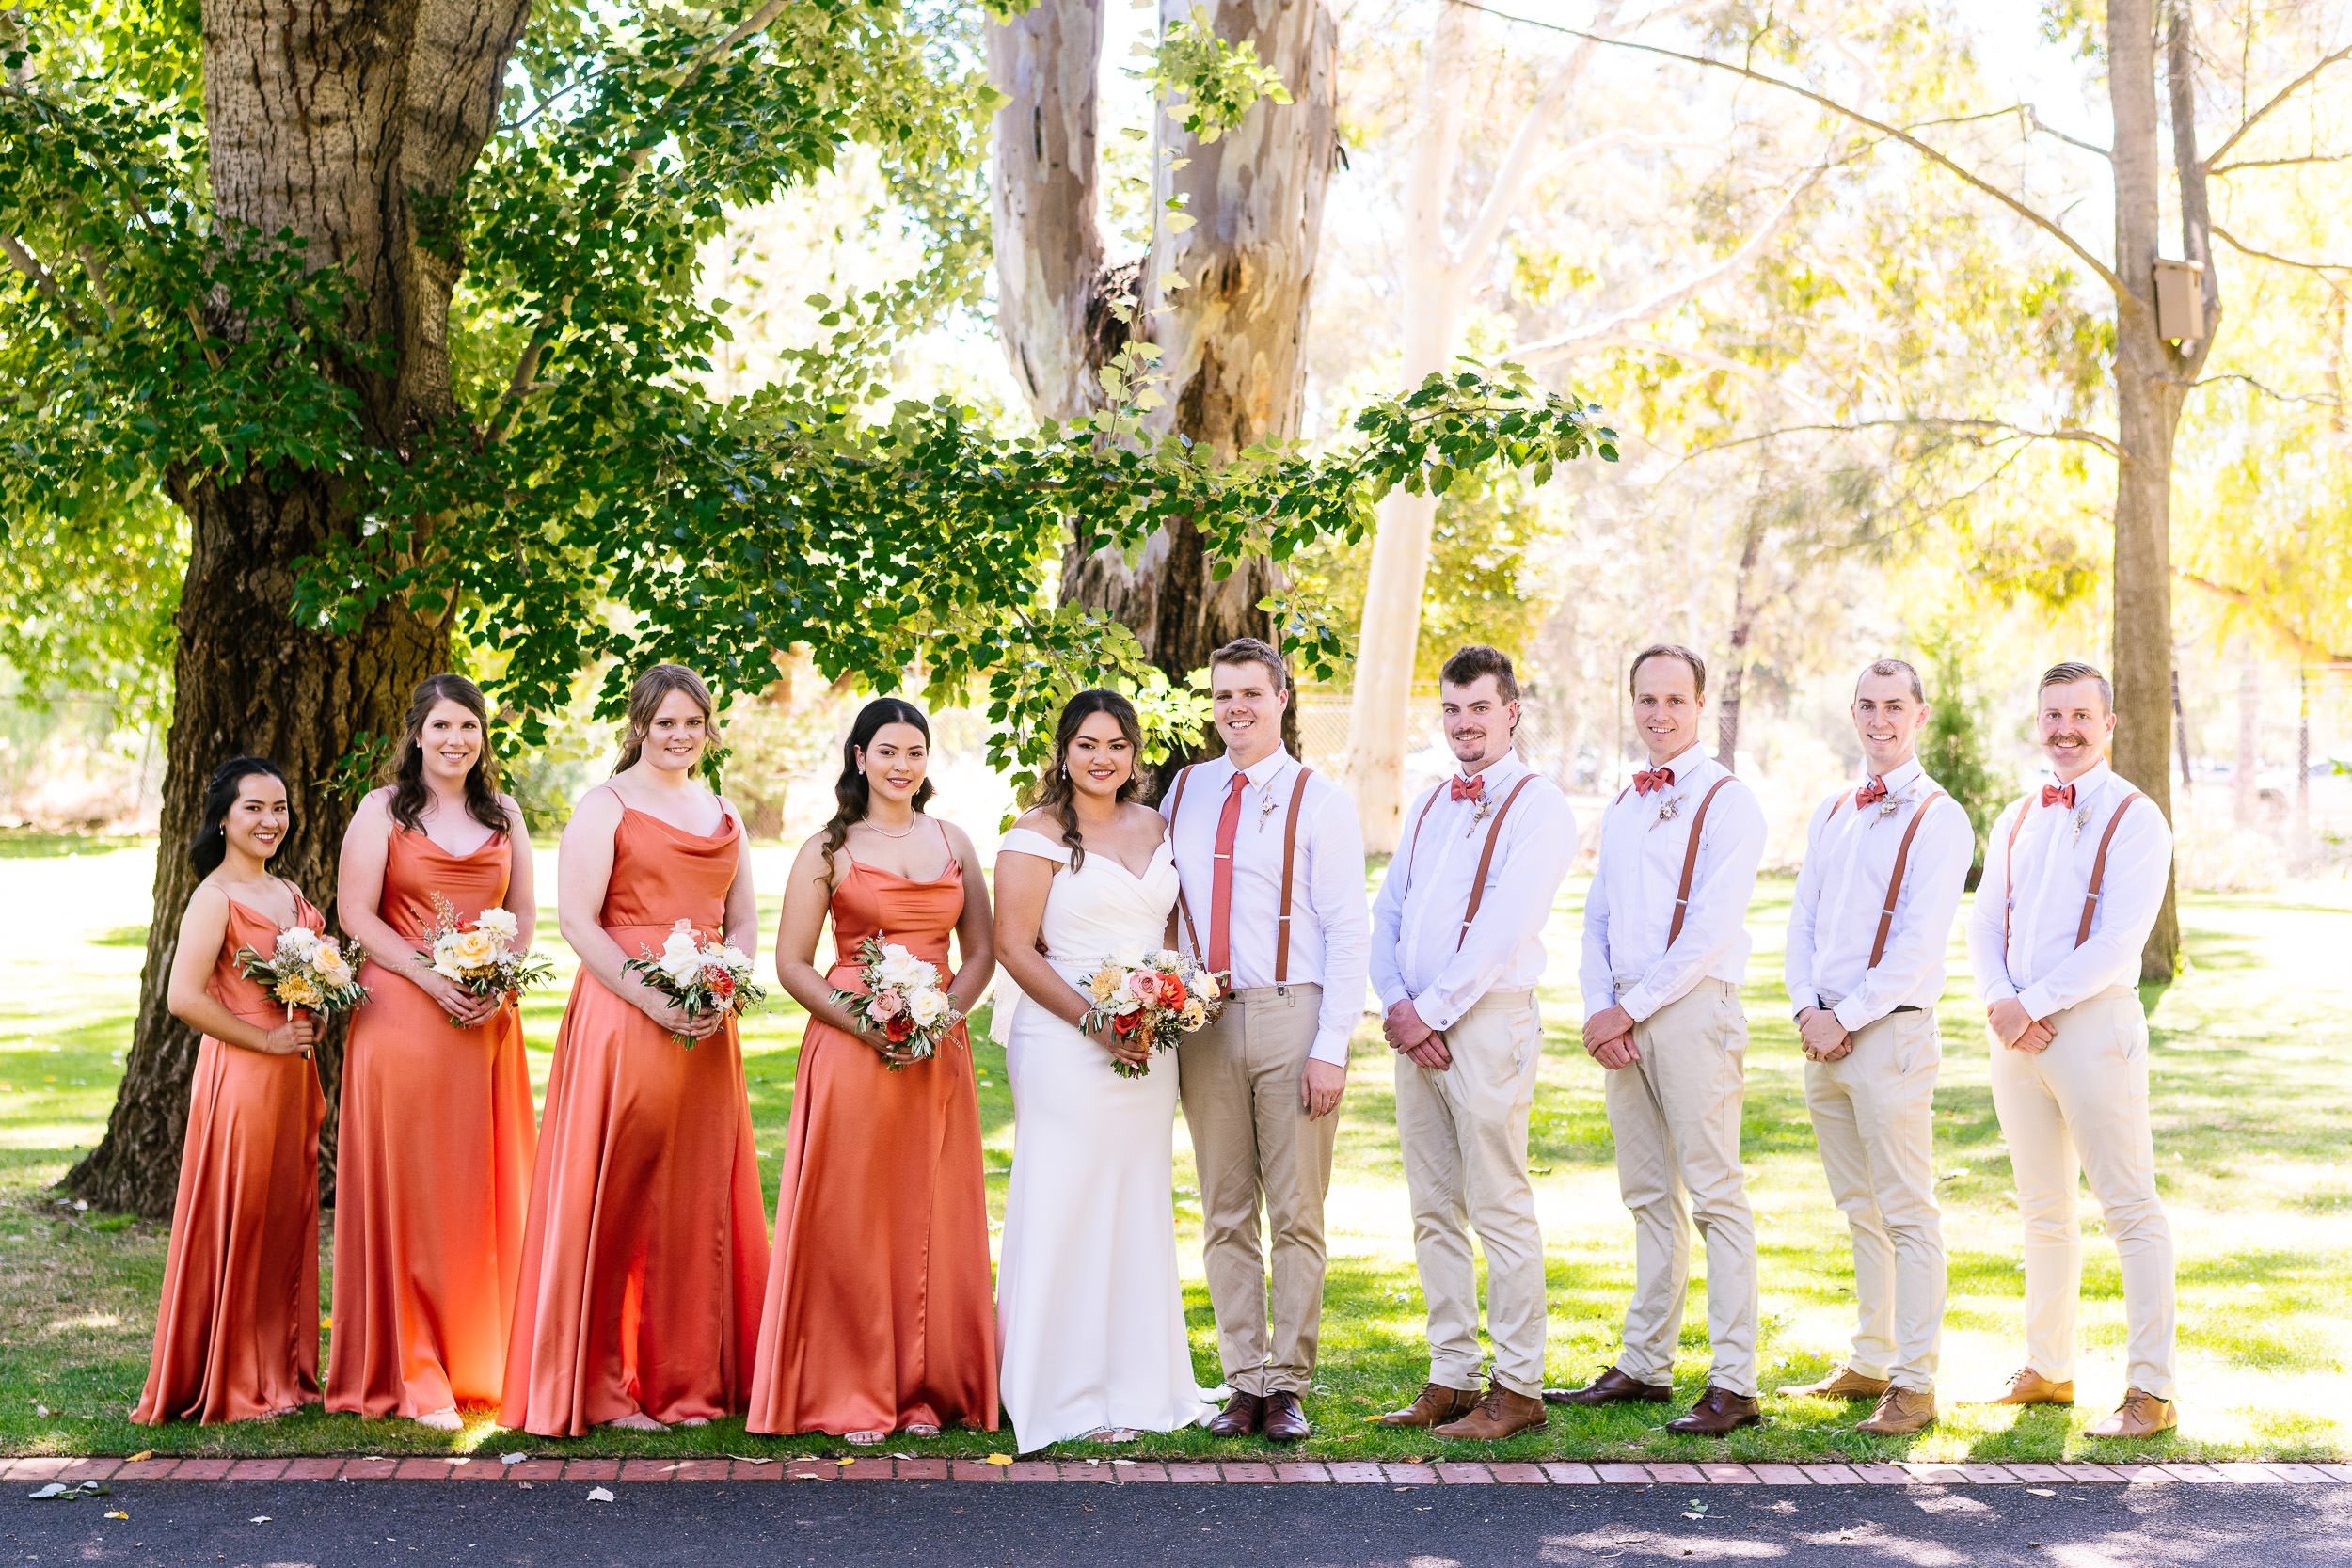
1221,884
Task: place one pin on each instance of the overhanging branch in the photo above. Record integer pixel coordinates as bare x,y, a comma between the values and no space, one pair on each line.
2318,653
2275,99
2011,431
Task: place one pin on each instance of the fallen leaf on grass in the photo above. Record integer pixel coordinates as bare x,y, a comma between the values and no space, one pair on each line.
599,1495
143,1453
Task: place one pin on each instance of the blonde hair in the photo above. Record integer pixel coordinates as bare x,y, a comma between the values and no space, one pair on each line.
644,701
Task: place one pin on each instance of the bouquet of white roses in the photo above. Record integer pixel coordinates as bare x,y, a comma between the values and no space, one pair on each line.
699,976
904,1001
1162,996
477,953
304,970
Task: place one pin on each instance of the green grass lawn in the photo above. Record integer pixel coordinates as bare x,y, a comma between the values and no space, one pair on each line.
2253,1098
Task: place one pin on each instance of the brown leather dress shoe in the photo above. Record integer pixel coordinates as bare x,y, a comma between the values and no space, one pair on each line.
1611,1388
1900,1413
1843,1384
1241,1417
1719,1414
1437,1405
2030,1387
1502,1414
2141,1415
1283,1420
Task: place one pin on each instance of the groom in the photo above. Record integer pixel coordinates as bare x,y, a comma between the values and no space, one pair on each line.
1270,864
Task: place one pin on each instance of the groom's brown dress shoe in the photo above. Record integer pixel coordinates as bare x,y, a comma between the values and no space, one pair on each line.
1437,1405
1843,1384
1900,1413
1284,1422
1502,1414
1611,1388
1240,1417
1719,1414
2141,1415
2030,1387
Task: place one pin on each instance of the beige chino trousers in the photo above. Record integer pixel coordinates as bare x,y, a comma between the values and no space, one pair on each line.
1675,1115
1254,1145
1463,1132
2079,1108
1874,1121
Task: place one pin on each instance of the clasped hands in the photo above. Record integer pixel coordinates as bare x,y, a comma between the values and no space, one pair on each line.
1609,1037
2015,1028
1406,1032
1825,1038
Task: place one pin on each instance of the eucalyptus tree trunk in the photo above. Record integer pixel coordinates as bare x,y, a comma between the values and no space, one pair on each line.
354,126
1744,609
1231,340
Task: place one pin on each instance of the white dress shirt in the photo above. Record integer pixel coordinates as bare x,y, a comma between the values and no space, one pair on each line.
1841,892
1420,952
1630,907
2042,883
1330,931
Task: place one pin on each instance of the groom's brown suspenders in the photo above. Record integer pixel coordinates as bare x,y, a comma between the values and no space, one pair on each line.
1485,854
1894,882
1289,865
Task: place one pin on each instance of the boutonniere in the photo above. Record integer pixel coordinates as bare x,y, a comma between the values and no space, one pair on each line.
2082,819
1887,807
1265,804
1483,808
1670,808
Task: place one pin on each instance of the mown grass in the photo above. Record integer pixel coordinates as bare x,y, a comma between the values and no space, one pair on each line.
2253,1096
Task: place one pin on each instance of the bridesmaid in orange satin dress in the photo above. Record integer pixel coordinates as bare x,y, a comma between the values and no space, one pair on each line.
236,1334
645,1245
880,1317
433,1160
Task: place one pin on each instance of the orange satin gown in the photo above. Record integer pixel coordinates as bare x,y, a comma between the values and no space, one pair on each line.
432,1166
237,1331
879,1314
646,1242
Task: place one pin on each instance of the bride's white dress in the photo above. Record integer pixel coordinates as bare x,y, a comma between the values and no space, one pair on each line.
1089,1314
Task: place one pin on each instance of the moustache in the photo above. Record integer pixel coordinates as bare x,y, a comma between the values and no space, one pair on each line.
2064,737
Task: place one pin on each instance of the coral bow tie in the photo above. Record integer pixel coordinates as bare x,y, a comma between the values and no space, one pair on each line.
2058,794
1654,778
1470,789
1870,794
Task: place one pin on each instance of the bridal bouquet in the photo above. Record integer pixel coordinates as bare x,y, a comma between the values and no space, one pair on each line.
1161,995
304,970
700,976
903,1001
478,956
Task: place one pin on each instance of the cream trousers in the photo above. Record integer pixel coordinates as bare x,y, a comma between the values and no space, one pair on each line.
1463,1132
1874,1119
1675,1115
2079,1108
1254,1145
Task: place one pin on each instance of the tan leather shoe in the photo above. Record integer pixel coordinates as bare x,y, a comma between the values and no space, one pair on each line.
2030,1387
1719,1414
1611,1388
1900,1413
2141,1415
1502,1414
1437,1405
1843,1384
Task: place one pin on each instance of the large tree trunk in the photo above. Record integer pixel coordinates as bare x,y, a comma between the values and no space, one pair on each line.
1743,608
354,127
2152,381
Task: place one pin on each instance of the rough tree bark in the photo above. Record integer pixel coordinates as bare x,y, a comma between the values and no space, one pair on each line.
354,126
1231,340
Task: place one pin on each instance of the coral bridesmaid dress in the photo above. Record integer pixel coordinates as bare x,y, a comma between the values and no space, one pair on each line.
432,1168
646,1242
237,1333
879,1313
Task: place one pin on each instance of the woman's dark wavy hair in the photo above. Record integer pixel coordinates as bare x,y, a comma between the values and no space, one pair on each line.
409,794
849,791
1056,793
210,846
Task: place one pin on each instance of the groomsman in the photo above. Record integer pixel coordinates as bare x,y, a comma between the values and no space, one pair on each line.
1458,947
1885,865
1270,863
1665,948
2073,876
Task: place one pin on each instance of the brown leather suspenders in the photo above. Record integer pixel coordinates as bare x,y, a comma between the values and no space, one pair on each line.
1485,856
1895,881
1290,872
2098,871
1691,860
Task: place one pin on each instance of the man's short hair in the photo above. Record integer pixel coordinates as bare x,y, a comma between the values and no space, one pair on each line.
1893,667
1251,650
1468,664
1669,650
2072,670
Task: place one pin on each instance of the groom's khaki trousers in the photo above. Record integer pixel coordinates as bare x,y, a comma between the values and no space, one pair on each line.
2077,1108
1252,1143
1463,1132
1874,1121
1675,1115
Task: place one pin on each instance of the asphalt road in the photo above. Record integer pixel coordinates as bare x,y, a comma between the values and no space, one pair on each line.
923,1524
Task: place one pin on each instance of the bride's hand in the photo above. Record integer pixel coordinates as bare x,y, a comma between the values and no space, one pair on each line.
1134,1048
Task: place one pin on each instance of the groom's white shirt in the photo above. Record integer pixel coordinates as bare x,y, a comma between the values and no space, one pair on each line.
1418,915
1330,931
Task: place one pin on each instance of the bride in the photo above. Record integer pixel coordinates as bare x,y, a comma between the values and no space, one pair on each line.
1090,1319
